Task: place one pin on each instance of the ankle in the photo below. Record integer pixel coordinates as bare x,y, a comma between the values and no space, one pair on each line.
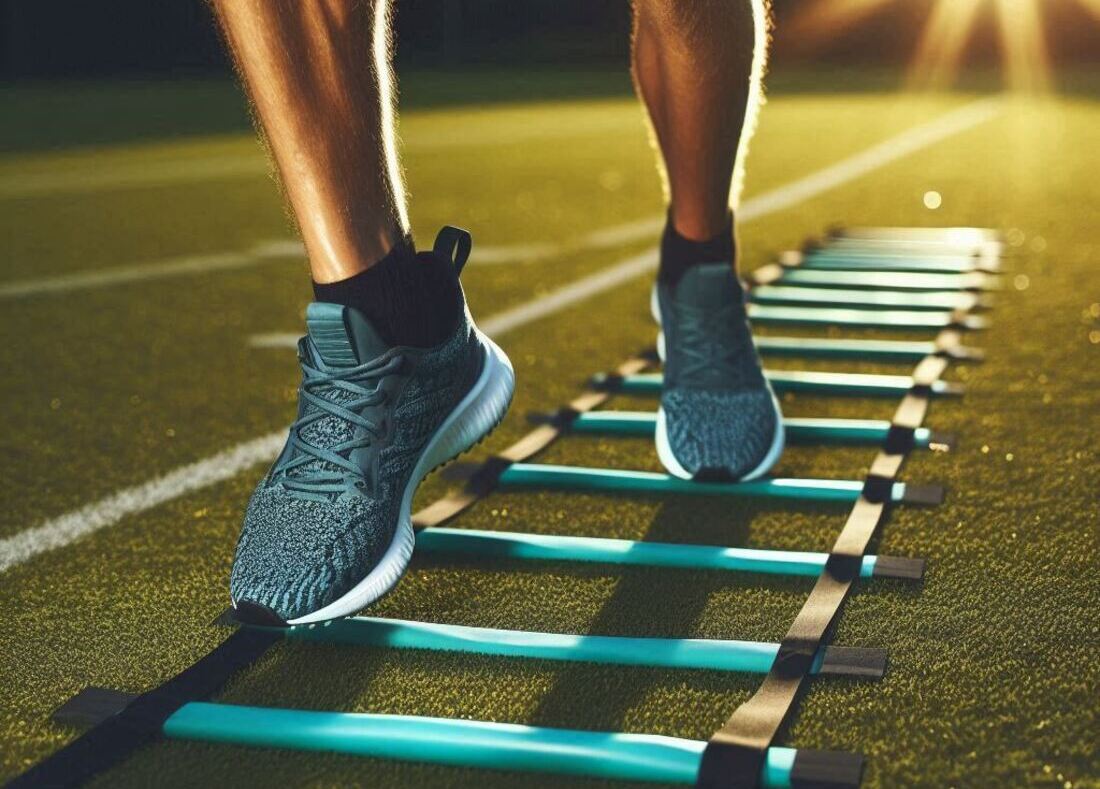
679,253
409,299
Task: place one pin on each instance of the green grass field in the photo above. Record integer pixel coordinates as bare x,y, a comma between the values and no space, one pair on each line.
994,669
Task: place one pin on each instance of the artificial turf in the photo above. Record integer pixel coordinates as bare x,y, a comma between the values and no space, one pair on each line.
993,673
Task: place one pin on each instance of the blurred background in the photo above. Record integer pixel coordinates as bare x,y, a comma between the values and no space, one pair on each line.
567,47
56,38
153,288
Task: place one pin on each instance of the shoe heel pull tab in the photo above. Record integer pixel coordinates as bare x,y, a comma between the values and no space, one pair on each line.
454,244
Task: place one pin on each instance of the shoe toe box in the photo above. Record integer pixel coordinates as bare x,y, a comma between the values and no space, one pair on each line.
296,556
715,434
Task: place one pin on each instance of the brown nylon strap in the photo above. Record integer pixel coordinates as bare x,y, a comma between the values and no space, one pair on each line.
764,275
734,756
947,339
482,479
911,411
929,371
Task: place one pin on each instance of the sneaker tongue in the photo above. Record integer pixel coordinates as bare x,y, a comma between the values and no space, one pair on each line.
341,336
708,285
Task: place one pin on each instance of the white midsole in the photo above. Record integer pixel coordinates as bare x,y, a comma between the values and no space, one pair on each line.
477,414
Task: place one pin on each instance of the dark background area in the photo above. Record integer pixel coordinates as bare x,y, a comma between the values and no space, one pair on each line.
43,39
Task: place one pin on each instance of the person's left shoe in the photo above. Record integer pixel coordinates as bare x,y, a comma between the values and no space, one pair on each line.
719,419
328,530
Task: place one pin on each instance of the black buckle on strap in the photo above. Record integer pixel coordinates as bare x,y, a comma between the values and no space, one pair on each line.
878,490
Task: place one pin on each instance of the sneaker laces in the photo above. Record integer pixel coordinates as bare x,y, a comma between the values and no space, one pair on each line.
713,343
309,482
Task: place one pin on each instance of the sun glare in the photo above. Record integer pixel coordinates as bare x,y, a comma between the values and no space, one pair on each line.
830,16
944,37
936,63
1027,61
1092,6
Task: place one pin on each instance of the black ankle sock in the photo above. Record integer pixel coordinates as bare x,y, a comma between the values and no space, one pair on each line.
409,299
678,254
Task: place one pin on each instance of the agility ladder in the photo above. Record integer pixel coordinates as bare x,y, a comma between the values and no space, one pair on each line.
896,278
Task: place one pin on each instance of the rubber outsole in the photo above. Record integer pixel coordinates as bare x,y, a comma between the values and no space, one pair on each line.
476,415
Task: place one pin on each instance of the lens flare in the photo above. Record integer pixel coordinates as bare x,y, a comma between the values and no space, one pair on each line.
944,37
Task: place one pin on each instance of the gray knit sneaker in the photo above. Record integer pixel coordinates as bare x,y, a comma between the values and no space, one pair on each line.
328,530
719,419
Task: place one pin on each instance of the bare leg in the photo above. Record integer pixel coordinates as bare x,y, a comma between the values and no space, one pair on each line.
697,66
320,79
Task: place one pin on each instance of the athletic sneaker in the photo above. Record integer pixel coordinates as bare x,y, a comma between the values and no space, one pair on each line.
719,419
328,530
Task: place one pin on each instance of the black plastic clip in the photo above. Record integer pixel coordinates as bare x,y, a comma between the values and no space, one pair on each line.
606,382
92,706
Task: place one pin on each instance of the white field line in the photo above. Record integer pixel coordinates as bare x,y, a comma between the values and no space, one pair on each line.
265,252
816,183
65,529
502,322
774,200
81,178
260,254
67,179
59,532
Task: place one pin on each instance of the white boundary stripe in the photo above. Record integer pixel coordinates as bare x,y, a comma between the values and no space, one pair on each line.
786,196
503,322
515,253
783,197
170,267
83,179
557,300
890,150
71,526
68,177
260,254
65,529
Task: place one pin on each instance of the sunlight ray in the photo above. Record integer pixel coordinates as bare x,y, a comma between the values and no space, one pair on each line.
1092,6
1027,61
936,63
813,27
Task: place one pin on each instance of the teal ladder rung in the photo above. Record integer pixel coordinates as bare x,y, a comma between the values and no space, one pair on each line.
871,300
674,653
823,431
893,280
865,318
606,550
468,743
969,237
796,381
619,756
583,479
869,350
930,264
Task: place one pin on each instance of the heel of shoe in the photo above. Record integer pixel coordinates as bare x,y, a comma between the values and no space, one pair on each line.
481,410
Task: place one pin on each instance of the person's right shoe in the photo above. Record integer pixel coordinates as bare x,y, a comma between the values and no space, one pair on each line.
328,530
719,419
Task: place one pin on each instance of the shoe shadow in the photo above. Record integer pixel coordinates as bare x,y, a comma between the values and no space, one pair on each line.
664,603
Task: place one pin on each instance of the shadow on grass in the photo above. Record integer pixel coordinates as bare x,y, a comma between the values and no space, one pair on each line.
664,604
